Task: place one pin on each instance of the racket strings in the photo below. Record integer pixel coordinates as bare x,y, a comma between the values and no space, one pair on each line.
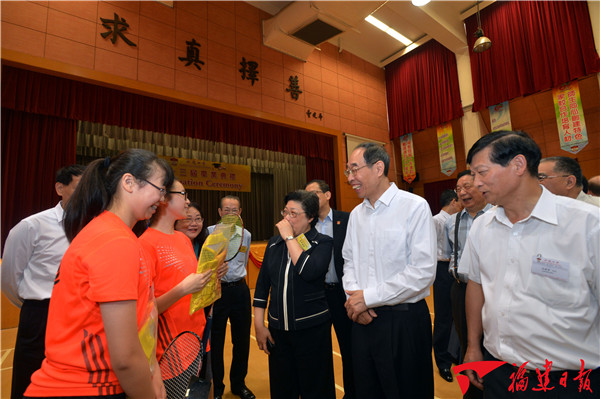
180,362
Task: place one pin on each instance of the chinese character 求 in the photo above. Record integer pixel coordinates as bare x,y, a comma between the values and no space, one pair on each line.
116,27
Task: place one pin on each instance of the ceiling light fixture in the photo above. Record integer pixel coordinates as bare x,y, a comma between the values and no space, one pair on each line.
482,43
420,3
392,32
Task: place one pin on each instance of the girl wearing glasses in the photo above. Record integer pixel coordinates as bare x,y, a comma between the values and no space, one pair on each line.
298,339
102,304
176,278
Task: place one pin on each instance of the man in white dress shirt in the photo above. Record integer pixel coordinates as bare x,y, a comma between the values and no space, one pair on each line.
390,264
534,278
562,176
32,254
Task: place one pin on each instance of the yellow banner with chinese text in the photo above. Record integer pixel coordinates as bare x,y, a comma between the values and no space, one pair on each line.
205,175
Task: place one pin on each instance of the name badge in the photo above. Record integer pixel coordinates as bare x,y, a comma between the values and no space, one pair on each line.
552,268
304,244
243,249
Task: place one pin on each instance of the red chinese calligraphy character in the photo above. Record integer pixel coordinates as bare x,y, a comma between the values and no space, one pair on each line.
563,379
562,102
577,130
575,111
194,173
563,108
575,117
584,378
564,120
543,378
519,382
213,175
571,93
578,136
565,127
204,173
223,175
232,176
576,123
182,172
561,96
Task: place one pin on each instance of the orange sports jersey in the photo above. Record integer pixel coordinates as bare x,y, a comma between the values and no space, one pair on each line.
175,259
104,263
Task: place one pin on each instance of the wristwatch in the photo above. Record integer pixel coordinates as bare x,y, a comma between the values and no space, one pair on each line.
289,238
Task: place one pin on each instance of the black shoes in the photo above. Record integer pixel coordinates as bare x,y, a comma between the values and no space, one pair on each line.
445,374
243,393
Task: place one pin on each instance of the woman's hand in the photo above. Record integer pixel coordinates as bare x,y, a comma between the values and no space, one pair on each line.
194,282
157,384
285,228
222,270
262,336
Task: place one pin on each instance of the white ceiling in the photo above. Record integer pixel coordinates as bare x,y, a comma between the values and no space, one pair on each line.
439,20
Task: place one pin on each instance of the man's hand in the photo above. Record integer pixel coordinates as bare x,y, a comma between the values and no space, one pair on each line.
474,355
355,305
366,317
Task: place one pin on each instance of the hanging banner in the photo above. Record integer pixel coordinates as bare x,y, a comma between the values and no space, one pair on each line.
569,118
408,158
446,149
204,175
500,117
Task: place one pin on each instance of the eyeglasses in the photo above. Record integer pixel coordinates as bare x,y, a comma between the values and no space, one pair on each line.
542,177
466,187
195,220
293,214
162,190
229,211
354,170
184,193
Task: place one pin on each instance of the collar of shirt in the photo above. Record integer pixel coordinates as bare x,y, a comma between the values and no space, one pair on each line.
385,199
544,210
59,212
486,208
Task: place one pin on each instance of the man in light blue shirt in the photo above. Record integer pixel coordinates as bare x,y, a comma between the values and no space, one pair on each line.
234,305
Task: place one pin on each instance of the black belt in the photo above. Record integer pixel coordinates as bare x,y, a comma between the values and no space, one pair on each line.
332,286
232,283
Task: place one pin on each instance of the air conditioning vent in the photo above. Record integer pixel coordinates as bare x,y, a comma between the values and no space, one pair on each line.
316,32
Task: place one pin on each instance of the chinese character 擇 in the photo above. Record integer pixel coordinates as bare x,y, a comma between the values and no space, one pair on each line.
116,27
248,70
192,54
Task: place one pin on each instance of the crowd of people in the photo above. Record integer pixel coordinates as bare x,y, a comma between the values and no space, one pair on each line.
104,282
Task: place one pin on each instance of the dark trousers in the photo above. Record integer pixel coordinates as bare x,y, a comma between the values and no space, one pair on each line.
301,364
30,346
497,383
234,305
343,331
442,323
458,293
392,354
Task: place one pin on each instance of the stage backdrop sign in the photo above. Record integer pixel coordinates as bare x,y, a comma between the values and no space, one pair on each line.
569,117
204,175
408,158
446,149
500,117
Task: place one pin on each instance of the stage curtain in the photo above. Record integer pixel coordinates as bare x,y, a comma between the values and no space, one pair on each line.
536,45
422,89
34,147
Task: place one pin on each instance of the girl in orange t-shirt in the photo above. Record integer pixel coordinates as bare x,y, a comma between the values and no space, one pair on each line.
100,337
175,278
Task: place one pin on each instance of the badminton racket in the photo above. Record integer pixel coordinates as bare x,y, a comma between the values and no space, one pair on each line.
180,362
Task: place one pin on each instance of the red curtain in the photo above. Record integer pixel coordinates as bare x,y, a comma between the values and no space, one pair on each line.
536,45
66,100
422,89
34,147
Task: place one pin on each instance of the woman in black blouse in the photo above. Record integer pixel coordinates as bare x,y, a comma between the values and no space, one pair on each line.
298,339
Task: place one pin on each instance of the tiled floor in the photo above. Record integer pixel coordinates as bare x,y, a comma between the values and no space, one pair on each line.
258,375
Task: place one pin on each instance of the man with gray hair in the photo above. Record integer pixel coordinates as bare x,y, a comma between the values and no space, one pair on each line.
562,176
390,265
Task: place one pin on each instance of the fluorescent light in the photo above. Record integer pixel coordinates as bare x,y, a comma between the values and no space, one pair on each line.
392,32
420,3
